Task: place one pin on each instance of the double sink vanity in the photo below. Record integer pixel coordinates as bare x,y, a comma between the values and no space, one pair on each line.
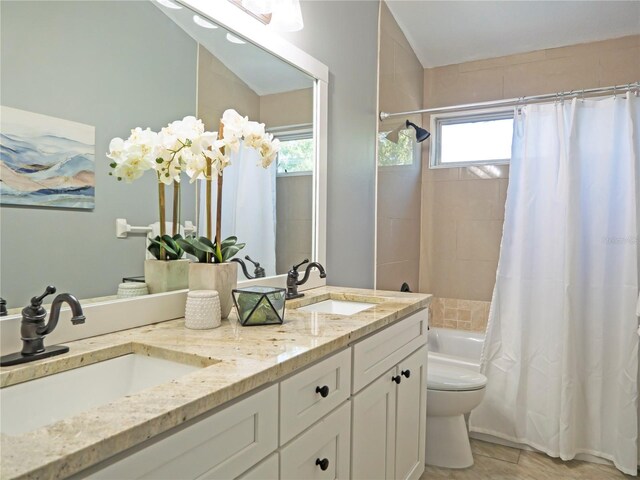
337,391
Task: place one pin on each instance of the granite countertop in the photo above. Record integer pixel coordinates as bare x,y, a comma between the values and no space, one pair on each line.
235,360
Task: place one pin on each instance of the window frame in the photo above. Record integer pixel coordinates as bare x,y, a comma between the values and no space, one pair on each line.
468,116
289,133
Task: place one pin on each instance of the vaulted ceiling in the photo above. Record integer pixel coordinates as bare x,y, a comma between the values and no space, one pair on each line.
449,32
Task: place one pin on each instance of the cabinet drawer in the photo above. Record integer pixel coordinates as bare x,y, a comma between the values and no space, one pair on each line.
301,396
268,469
220,445
327,442
380,352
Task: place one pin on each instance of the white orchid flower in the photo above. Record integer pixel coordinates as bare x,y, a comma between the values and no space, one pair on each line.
234,126
116,150
127,171
269,149
203,142
219,160
196,168
253,134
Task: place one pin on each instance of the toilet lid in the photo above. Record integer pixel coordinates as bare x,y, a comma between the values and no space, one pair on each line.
450,378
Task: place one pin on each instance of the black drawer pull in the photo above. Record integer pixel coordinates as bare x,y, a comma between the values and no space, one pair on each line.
397,379
323,391
406,373
324,463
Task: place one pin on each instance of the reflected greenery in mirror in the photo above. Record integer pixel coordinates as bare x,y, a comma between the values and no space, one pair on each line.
401,152
296,156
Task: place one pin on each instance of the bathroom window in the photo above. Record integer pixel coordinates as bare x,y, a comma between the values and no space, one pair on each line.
480,137
401,153
296,151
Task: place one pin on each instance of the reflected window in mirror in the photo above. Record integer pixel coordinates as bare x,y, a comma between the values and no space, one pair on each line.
400,153
296,155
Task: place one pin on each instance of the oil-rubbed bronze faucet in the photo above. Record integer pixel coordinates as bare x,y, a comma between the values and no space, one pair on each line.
292,278
258,271
33,329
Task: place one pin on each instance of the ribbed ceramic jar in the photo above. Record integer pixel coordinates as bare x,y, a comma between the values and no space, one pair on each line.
202,310
132,289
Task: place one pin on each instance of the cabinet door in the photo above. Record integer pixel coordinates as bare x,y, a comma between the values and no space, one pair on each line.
219,445
411,416
322,452
373,430
268,469
384,350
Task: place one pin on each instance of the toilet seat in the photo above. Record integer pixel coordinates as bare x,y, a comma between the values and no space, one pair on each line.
453,379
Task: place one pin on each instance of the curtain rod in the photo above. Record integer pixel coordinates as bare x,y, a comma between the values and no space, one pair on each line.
517,101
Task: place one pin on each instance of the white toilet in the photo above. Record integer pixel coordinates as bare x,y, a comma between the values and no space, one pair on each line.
452,392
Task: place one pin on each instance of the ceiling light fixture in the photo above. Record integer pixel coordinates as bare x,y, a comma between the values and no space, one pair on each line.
286,15
234,39
201,22
169,4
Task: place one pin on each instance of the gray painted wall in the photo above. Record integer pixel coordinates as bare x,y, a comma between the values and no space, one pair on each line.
114,65
343,35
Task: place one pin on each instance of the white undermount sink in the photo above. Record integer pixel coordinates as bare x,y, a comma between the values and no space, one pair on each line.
43,401
337,307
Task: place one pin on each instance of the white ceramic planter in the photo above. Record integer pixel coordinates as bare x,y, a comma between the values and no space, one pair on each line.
221,277
166,275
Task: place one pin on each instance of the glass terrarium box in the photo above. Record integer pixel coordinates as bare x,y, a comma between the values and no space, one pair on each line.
259,305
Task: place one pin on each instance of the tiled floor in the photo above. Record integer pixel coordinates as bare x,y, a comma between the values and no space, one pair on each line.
495,462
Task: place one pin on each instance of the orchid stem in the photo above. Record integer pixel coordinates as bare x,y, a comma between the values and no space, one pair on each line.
219,201
161,205
176,208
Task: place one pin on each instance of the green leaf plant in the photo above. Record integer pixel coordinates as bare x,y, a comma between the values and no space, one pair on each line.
208,252
166,247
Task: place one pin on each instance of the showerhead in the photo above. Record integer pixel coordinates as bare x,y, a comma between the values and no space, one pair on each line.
421,133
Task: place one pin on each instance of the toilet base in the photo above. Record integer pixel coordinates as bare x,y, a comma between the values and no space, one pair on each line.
448,442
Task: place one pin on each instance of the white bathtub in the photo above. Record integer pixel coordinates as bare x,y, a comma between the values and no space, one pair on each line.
455,347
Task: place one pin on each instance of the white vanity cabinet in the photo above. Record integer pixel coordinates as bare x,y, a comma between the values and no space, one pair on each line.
389,413
359,413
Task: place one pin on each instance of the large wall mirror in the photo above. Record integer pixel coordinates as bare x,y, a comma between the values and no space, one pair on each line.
118,65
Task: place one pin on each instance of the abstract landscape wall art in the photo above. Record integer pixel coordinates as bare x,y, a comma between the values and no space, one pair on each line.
46,161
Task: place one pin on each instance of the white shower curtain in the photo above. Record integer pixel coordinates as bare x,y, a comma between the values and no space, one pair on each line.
248,208
561,352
